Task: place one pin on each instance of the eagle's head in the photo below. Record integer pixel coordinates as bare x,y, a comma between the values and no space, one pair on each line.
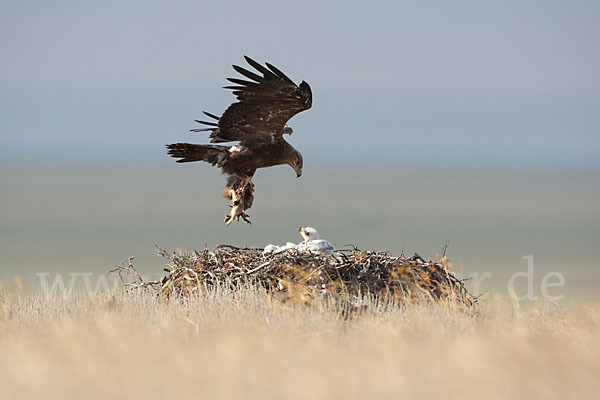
308,233
287,130
296,163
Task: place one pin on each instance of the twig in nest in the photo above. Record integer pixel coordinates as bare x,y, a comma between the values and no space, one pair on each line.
126,268
258,268
229,246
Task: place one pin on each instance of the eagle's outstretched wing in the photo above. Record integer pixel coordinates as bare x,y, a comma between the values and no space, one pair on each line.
265,104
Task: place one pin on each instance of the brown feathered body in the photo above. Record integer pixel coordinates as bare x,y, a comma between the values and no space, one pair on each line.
237,160
258,122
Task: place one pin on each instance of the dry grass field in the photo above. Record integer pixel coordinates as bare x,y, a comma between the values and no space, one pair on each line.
240,345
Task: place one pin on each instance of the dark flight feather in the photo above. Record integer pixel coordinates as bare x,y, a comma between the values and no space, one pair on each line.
248,74
258,67
244,83
206,122
279,73
213,116
203,130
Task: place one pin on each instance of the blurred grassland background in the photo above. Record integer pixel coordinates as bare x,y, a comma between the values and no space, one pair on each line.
467,121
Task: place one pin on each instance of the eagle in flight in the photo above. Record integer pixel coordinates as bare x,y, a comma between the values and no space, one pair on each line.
257,121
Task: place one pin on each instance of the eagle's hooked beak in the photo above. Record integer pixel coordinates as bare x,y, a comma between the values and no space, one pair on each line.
296,168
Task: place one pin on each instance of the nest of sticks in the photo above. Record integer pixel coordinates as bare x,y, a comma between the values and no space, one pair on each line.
301,277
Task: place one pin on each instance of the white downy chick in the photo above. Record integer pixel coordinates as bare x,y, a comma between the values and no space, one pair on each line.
273,248
312,242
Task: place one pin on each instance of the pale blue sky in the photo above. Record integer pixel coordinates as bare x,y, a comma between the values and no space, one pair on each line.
460,82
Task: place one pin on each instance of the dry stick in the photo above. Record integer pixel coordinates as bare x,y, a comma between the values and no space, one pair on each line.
129,269
258,268
228,246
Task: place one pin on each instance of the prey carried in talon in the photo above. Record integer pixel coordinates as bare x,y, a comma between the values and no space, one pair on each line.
240,192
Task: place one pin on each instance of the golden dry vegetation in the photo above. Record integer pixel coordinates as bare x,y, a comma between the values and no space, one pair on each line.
226,344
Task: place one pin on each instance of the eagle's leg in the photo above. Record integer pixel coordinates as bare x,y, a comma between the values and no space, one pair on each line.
245,217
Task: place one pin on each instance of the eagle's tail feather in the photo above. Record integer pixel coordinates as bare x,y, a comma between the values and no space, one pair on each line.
187,152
